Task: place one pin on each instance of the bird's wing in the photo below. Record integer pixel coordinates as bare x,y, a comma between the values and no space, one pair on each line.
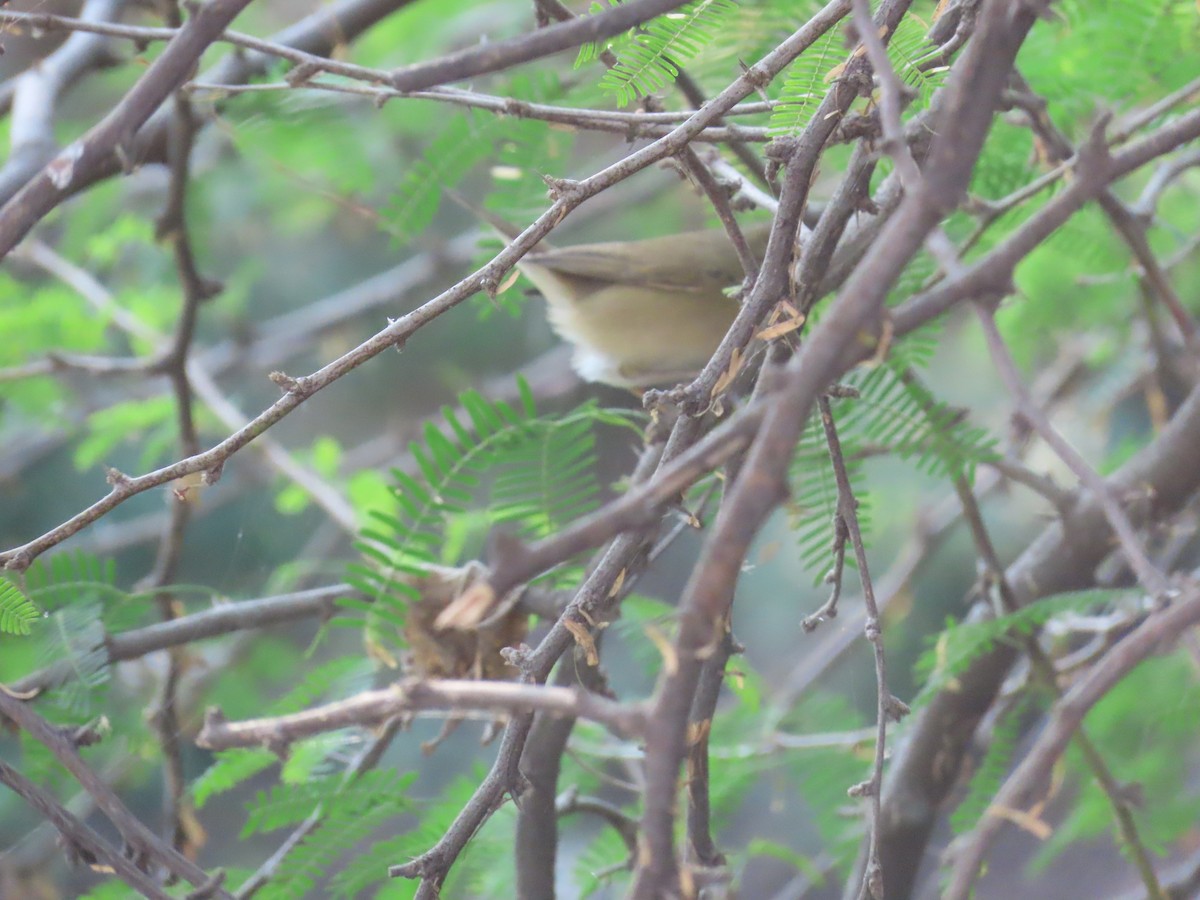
694,261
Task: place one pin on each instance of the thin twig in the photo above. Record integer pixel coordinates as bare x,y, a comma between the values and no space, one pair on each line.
1147,573
1159,631
634,125
81,840
886,706
222,619
1046,674
146,845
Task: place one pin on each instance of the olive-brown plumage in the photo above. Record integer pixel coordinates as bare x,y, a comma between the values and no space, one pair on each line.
639,314
642,313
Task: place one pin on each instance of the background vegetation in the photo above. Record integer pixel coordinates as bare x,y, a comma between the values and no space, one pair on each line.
224,489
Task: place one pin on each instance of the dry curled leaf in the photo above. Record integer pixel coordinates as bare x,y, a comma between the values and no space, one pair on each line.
583,637
660,640
470,647
1026,821
727,377
784,319
469,609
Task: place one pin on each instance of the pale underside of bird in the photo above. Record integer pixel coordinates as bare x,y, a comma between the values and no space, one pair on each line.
645,313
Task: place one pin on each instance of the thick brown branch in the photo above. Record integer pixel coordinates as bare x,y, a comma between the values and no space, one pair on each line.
497,55
973,94
1062,558
112,136
1159,632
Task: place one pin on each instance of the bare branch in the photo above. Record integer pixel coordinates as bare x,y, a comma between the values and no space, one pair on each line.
1154,635
1147,573
1062,558
492,57
82,841
112,136
374,707
146,846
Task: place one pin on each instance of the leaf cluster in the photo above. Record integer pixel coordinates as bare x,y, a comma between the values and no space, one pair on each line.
495,464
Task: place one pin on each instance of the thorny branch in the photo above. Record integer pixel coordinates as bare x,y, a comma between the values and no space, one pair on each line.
754,441
1044,669
81,840
1147,573
1156,634
759,488
146,848
297,390
887,707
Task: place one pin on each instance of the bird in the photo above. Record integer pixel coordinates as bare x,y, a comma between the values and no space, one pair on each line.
640,314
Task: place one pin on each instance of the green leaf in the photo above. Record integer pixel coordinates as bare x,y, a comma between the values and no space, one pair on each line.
459,146
229,769
807,81
652,59
17,614
532,473
287,805
149,422
958,645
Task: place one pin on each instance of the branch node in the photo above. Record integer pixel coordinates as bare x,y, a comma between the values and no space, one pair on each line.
897,709
116,477
303,73
1094,156
283,381
90,733
210,887
278,745
813,622
207,288
518,656
857,126
875,880
489,281
19,562
515,107
842,392
561,188
301,387
758,77
862,789
61,169
124,151
780,150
